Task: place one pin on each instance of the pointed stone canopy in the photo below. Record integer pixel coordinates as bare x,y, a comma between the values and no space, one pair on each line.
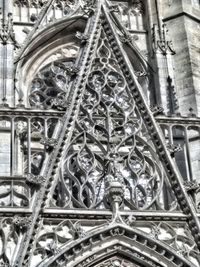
48,17
109,136
112,88
109,140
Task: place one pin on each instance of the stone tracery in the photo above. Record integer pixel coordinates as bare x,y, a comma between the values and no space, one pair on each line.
116,262
108,157
50,85
108,141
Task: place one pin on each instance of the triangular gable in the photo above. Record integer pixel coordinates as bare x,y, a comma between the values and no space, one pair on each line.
51,12
109,132
121,128
110,139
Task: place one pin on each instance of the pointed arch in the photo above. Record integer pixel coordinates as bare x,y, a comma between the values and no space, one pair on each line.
146,244
120,240
49,38
132,19
44,47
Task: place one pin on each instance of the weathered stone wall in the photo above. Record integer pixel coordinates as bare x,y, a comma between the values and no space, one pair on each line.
183,23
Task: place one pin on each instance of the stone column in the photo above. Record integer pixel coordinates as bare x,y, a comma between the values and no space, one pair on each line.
163,53
7,43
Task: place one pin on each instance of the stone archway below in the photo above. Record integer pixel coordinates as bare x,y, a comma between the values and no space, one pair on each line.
120,242
116,261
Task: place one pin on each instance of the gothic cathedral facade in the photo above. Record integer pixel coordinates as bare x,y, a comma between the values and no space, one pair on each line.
99,133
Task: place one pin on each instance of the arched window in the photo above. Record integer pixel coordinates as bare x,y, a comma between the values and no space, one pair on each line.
50,85
132,15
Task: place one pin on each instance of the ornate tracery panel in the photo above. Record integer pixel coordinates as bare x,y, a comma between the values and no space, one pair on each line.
109,141
109,164
131,14
116,262
49,87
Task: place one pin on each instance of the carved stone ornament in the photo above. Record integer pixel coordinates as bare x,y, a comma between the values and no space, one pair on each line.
89,7
22,222
174,149
107,145
82,37
161,41
36,180
104,176
174,235
77,231
31,3
72,70
140,73
59,103
114,8
137,5
114,190
6,30
48,142
126,38
172,97
89,3
191,186
50,86
157,110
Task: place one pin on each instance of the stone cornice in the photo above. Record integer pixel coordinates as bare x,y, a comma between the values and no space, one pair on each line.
105,214
191,15
178,120
60,214
30,112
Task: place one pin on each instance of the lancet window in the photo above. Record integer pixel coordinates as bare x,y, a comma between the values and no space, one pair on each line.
24,136
183,141
28,10
131,14
24,144
5,144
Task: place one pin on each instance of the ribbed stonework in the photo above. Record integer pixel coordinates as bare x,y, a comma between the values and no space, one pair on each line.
99,133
